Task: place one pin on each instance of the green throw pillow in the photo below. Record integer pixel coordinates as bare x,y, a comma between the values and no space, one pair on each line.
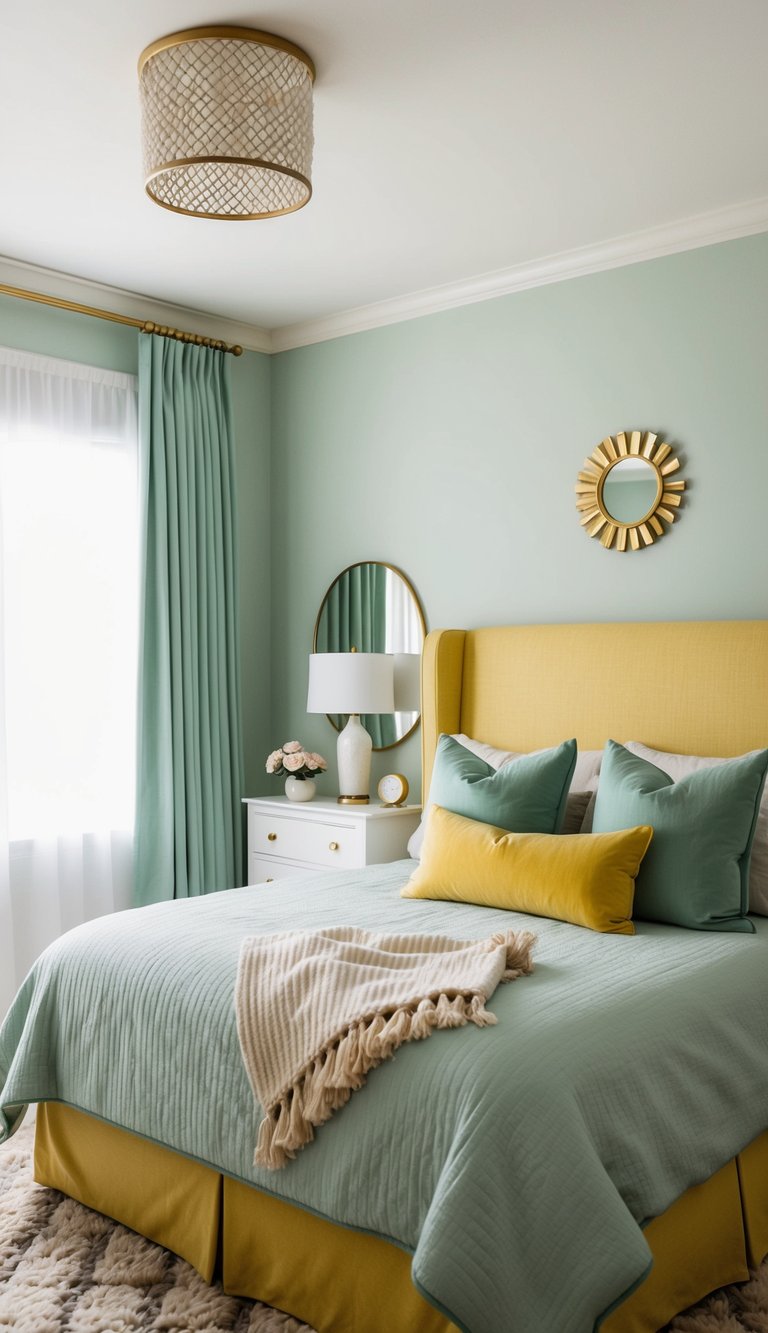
696,871
527,795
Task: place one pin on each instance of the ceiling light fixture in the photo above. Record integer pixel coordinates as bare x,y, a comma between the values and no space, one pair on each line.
227,123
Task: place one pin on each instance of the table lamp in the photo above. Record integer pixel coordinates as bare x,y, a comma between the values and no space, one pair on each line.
352,683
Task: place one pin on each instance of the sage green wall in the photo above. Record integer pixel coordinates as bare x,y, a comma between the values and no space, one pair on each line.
449,446
55,332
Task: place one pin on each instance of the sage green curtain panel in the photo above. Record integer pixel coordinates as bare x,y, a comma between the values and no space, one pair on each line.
356,614
190,767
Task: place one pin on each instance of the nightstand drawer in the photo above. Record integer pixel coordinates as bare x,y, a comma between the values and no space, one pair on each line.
324,843
264,869
287,838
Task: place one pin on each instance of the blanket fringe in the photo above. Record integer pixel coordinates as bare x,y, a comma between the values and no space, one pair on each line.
341,1067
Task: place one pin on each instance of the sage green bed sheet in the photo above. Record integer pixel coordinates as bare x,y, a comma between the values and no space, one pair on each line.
516,1162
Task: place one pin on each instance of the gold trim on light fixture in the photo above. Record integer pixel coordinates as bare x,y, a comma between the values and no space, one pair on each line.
598,521
227,123
226,217
145,325
217,31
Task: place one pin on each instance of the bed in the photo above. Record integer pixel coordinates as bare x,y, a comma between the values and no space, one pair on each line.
526,1209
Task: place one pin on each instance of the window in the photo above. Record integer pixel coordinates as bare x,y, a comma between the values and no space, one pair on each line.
68,642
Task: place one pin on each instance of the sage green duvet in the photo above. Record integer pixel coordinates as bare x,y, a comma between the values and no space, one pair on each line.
516,1162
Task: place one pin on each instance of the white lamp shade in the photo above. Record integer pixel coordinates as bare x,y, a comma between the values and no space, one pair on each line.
351,683
407,667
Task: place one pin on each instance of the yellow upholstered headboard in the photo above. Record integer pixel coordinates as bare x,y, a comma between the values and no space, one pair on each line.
695,687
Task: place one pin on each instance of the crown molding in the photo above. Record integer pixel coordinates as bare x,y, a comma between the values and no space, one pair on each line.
49,282
725,224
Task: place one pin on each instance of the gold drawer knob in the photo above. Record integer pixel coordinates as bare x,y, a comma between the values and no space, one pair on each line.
271,837
333,846
270,879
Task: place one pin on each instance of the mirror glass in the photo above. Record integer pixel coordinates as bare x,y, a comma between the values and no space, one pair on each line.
373,608
630,490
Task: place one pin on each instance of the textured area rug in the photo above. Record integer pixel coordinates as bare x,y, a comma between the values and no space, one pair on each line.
64,1267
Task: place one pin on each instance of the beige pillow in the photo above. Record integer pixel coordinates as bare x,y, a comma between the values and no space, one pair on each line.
589,813
576,807
583,784
678,766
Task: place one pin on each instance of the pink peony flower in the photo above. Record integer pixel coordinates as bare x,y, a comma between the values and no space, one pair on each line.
274,761
294,759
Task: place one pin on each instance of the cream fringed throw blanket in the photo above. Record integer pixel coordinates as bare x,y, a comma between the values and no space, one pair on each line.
316,1010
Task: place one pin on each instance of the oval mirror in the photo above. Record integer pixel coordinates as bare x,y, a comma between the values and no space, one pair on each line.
631,489
372,607
627,488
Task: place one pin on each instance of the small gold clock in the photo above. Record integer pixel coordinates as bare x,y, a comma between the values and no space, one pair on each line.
393,789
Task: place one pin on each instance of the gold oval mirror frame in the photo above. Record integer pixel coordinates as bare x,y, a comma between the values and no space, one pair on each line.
636,471
372,606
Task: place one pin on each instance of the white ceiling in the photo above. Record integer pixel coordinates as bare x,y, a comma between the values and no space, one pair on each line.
451,139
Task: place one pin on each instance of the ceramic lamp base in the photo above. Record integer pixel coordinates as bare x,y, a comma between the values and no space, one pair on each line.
353,752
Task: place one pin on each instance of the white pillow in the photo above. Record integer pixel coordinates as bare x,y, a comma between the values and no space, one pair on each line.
585,776
678,766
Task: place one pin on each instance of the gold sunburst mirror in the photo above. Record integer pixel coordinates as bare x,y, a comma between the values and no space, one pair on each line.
627,490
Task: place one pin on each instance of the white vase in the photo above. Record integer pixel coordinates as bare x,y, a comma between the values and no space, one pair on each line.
299,789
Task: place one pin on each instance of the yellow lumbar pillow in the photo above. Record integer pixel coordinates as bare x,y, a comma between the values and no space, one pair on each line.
586,878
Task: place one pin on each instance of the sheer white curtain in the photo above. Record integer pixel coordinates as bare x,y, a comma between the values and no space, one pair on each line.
403,634
68,650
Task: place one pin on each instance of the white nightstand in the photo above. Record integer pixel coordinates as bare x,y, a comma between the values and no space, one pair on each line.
285,836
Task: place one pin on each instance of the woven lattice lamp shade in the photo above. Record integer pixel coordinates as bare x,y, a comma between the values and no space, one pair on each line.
227,123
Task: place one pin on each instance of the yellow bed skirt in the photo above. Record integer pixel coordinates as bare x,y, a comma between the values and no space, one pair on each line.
341,1281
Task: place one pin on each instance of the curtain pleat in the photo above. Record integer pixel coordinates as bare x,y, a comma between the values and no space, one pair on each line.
190,768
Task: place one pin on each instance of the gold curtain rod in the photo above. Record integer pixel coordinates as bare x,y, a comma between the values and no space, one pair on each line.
146,325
